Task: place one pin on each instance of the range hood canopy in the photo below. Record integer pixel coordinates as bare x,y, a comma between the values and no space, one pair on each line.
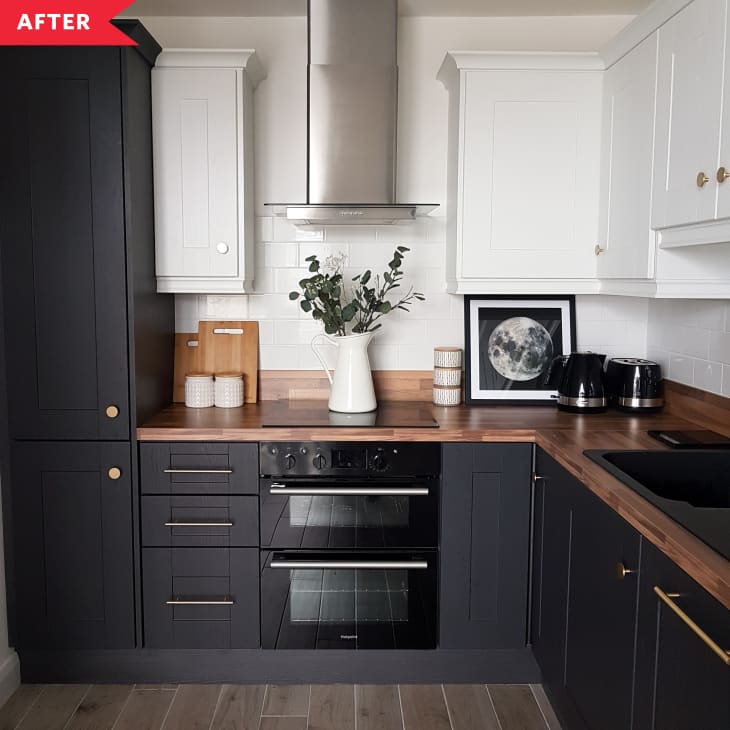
352,80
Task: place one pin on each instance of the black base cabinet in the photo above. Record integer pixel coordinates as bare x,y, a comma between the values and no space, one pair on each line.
72,514
485,532
613,654
681,683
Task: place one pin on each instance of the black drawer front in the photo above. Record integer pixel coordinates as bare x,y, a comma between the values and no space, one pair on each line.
201,598
192,468
200,521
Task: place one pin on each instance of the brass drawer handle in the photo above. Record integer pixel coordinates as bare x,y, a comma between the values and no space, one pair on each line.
701,179
197,471
114,473
722,174
598,250
198,524
112,411
622,571
224,601
667,599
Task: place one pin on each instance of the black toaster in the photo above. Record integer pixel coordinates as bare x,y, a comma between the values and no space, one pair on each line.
634,384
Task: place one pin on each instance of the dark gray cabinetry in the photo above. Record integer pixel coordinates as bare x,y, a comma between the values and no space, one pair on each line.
87,344
73,544
681,683
200,545
602,599
485,521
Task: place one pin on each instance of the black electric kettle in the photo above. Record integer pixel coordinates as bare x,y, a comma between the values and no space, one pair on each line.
579,380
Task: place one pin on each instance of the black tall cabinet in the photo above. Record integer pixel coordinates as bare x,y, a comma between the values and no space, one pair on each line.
88,344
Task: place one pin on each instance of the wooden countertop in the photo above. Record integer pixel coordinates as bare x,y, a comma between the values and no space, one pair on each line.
562,435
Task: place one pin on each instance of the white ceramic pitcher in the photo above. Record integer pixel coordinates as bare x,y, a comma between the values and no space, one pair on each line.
351,386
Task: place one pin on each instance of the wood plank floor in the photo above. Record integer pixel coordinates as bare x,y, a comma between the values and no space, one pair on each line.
278,707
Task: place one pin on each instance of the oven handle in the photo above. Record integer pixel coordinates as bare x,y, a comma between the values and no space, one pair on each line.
352,564
283,489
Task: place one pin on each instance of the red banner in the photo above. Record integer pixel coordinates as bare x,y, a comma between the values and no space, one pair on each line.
61,23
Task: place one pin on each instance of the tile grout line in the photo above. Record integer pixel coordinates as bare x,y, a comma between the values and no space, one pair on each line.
215,709
494,707
263,705
31,706
446,702
169,707
354,705
400,702
309,703
124,706
539,707
78,704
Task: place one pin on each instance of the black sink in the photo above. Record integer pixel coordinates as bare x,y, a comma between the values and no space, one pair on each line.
692,487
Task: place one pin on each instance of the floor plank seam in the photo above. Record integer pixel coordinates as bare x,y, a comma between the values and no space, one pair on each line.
215,709
539,707
30,707
448,711
123,707
400,704
309,704
169,707
494,707
78,704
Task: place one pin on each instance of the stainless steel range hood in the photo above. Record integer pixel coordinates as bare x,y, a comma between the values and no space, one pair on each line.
352,79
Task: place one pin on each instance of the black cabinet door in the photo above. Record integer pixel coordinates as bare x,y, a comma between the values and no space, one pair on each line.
602,604
62,243
72,540
682,684
485,518
554,490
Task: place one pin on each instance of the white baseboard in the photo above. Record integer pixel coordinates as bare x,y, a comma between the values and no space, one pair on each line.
9,677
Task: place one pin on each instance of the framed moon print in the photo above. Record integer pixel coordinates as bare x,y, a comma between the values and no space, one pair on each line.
511,342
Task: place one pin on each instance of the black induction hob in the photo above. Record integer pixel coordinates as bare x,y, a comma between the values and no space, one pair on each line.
315,414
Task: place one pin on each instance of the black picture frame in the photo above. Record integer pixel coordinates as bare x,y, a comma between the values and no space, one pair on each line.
539,327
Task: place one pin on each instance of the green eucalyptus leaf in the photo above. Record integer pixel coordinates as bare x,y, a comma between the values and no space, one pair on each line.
293,295
305,305
403,249
366,277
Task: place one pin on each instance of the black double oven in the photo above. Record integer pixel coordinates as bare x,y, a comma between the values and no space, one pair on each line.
349,535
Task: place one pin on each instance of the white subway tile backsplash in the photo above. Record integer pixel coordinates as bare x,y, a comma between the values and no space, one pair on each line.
708,376
284,231
266,332
720,346
227,307
349,234
278,357
321,251
726,380
295,331
264,228
681,369
415,357
287,280
694,341
270,306
384,357
280,255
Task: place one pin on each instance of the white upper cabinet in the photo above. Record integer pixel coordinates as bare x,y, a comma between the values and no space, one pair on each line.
690,131
202,152
523,171
722,174
626,240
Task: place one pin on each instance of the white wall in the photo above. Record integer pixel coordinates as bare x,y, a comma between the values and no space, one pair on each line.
691,341
406,341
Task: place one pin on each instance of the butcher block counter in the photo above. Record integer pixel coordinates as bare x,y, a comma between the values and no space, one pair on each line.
563,436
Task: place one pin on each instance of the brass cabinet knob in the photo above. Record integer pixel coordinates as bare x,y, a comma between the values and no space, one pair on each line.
622,571
598,250
702,179
114,473
112,411
722,174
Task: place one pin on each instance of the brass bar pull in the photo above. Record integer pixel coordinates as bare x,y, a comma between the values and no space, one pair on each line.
667,599
198,524
197,471
225,601
622,571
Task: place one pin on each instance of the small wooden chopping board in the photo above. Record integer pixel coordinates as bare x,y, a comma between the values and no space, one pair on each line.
231,346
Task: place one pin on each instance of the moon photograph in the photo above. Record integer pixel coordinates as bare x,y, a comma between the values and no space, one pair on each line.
520,349
516,346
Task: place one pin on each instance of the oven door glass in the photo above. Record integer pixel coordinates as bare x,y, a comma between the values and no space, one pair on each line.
323,514
348,600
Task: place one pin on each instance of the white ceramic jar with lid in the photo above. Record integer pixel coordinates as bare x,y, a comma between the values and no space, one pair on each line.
199,390
228,390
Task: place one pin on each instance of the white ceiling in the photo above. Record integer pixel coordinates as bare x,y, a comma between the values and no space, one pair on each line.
466,8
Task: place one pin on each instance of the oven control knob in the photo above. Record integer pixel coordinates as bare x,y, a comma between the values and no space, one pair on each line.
319,461
379,462
290,461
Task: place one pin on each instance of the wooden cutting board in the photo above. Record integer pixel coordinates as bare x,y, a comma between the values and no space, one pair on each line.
231,347
187,360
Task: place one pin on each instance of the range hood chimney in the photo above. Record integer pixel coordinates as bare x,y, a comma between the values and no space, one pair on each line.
352,81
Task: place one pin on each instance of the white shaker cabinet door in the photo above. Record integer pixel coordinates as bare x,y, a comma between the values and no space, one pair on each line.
531,153
689,99
196,171
625,236
722,174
